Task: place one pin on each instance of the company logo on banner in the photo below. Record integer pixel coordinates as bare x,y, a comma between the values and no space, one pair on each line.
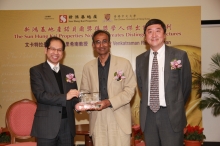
63,18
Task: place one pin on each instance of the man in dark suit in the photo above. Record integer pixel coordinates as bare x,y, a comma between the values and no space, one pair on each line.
164,79
55,89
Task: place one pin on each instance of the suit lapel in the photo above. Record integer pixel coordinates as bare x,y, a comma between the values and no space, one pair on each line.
94,68
63,76
145,66
167,69
49,73
112,70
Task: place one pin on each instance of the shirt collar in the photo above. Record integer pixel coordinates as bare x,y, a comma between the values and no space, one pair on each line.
160,51
52,65
106,62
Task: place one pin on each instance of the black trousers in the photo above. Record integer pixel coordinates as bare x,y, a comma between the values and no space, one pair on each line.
158,130
63,138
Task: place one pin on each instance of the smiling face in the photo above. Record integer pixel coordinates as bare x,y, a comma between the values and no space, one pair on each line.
155,36
101,44
54,52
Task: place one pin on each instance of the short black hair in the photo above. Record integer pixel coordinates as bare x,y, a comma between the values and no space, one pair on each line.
101,31
47,43
155,21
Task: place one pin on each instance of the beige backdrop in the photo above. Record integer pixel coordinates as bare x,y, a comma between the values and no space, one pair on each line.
24,32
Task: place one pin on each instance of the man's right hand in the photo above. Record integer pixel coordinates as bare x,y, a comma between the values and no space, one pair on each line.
85,107
72,93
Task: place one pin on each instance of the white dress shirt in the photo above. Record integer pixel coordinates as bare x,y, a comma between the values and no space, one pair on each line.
161,61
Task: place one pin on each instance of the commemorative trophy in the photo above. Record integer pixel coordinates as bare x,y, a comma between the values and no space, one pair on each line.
88,99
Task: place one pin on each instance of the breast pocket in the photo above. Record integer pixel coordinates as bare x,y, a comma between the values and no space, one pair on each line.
117,86
175,73
70,86
174,76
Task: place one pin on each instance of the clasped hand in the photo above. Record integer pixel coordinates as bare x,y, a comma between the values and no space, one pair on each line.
98,106
72,93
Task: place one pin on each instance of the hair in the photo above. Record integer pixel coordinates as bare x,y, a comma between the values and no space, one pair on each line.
101,31
155,21
47,43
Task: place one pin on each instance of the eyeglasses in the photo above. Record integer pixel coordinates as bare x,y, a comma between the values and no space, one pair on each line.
104,42
54,50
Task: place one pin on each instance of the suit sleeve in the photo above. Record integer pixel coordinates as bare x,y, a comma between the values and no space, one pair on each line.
74,100
139,81
84,81
186,77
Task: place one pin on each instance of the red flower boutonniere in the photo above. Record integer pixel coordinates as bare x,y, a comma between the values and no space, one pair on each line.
175,64
70,78
119,75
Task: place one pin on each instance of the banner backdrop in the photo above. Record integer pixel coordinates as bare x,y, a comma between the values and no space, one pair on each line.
24,32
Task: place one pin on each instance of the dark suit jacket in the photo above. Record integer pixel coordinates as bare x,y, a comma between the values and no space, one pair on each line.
50,101
177,86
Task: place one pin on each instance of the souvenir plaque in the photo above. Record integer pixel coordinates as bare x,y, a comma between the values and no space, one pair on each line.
89,99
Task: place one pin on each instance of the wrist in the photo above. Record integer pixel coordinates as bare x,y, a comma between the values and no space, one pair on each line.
77,111
110,105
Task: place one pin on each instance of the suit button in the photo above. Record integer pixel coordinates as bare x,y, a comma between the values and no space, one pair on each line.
59,111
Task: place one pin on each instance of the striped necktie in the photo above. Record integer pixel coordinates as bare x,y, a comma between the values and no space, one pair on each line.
154,86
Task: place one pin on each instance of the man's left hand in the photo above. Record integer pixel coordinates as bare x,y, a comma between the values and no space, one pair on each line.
103,104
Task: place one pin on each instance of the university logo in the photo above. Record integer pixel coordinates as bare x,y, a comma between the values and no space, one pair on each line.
63,18
107,18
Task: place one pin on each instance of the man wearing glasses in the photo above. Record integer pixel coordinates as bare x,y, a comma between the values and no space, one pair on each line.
113,77
54,87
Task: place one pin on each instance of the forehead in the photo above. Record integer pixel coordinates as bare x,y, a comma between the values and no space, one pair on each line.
101,36
56,43
154,26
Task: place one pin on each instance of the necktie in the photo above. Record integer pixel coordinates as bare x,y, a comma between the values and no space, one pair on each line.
55,68
154,85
